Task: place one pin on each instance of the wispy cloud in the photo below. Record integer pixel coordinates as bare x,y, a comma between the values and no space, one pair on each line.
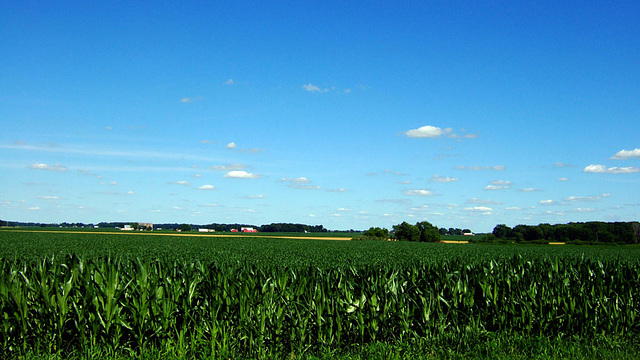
438,178
586,198
313,88
181,182
240,174
418,192
484,210
547,202
562,165
477,168
482,201
207,187
56,167
231,145
427,131
529,190
298,180
498,185
229,82
228,167
602,169
627,154
190,99
563,179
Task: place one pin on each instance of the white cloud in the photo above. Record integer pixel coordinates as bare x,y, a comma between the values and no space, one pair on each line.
313,88
529,189
427,131
207,142
476,168
56,167
583,198
257,196
181,182
584,210
130,192
231,145
626,154
438,178
228,167
498,185
612,170
484,210
229,82
338,190
305,187
563,179
482,201
343,209
240,174
298,180
49,197
546,202
418,192
207,187
34,208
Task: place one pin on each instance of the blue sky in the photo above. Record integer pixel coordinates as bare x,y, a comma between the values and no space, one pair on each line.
346,114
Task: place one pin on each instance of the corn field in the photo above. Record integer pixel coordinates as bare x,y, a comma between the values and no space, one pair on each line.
249,308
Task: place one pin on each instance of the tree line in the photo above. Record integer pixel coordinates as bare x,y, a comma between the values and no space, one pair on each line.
422,231
593,232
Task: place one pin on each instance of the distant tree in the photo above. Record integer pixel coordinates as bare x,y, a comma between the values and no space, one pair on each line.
502,231
428,232
375,233
443,231
406,232
135,226
184,227
466,231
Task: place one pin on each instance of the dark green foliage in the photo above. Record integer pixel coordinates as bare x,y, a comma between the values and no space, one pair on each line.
428,232
406,232
374,233
594,232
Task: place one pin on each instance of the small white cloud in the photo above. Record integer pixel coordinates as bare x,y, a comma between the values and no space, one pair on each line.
418,192
627,154
312,215
583,198
196,176
186,100
298,180
482,201
207,187
427,131
181,182
108,128
229,82
612,170
49,197
584,210
529,189
130,192
207,142
563,179
228,167
231,145
34,208
438,178
240,174
477,168
313,88
56,167
113,183
546,202
338,190
343,209
484,210
257,196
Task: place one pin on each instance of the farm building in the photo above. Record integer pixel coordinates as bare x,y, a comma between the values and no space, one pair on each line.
249,230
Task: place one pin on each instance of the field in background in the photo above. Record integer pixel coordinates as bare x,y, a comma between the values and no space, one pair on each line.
108,294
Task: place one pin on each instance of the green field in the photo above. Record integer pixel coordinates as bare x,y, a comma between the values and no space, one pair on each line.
94,295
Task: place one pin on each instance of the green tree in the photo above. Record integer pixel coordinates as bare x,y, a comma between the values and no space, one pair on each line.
376,233
184,227
406,232
428,232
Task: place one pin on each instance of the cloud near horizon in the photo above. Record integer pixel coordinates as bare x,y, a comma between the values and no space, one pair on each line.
418,192
602,169
240,174
627,154
56,167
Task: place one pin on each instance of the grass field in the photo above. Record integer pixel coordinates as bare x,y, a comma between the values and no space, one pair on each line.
128,295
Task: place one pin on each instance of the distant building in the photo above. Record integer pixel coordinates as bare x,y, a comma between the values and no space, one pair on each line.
127,227
234,230
206,230
248,230
146,226
468,234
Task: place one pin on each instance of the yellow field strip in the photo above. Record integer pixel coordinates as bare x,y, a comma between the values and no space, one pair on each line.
180,234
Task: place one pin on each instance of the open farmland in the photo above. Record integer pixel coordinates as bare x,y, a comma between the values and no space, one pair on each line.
222,297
